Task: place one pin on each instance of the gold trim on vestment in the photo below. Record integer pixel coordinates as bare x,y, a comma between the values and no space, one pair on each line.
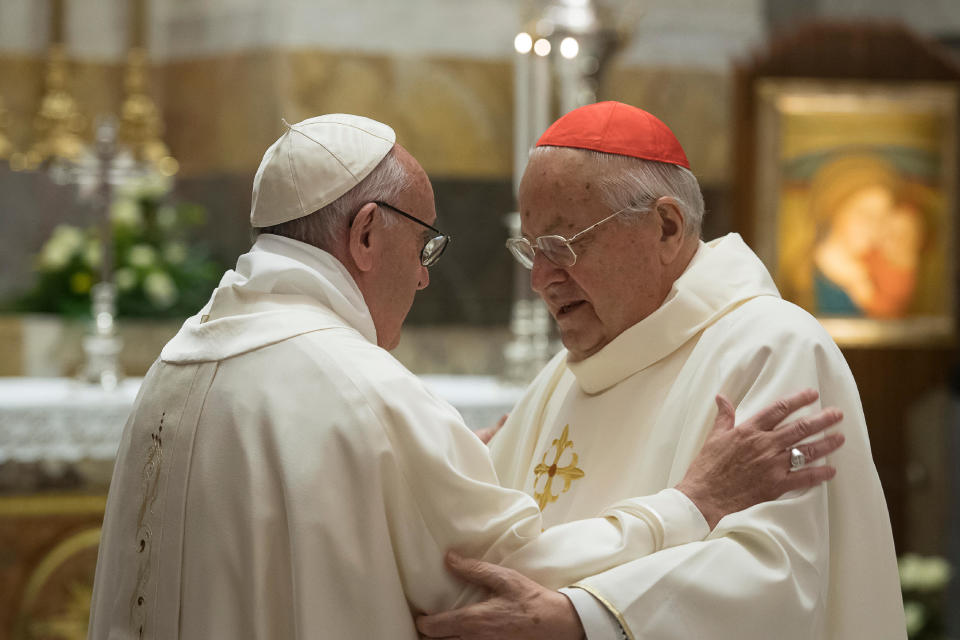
610,608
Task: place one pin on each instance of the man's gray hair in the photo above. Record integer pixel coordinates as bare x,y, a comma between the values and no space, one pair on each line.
635,184
324,227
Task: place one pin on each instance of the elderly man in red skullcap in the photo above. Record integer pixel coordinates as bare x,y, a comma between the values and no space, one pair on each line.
654,322
283,476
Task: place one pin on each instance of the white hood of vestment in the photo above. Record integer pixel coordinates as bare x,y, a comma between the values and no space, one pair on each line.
279,289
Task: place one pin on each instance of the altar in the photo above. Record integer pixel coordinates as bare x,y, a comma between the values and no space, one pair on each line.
58,439
61,420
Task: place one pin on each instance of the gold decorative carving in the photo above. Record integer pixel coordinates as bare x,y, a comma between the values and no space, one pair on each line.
453,115
45,611
73,622
6,147
141,125
48,552
59,123
51,505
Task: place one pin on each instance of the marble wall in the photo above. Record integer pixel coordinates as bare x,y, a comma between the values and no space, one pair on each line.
225,72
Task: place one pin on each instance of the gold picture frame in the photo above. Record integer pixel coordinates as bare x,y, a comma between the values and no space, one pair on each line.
856,201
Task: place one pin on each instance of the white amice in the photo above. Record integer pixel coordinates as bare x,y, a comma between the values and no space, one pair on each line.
629,420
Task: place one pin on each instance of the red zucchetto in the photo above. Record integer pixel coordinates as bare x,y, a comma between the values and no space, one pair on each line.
614,127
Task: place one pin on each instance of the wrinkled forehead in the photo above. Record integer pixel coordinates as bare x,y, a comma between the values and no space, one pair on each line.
418,194
560,191
416,176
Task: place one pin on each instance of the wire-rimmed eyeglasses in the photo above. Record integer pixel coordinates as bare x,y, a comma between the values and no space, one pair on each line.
555,248
434,247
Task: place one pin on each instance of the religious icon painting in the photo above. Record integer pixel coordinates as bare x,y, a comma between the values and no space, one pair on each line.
857,184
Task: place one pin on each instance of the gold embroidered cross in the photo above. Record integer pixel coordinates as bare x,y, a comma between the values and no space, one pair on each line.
569,473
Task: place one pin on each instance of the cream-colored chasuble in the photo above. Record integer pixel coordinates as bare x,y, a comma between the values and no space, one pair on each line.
608,434
814,564
281,476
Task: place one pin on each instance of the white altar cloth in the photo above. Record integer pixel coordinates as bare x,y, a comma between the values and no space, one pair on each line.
63,420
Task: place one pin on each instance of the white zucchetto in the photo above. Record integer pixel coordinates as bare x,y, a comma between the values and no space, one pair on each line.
315,162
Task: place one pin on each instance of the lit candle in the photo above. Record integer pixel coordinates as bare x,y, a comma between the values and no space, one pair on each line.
521,104
569,78
541,87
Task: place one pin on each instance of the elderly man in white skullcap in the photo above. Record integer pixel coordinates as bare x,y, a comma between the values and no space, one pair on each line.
283,476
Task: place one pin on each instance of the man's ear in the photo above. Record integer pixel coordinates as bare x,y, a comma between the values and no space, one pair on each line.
360,242
673,228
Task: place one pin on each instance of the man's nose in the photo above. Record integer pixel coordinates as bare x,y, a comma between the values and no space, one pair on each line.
544,273
424,278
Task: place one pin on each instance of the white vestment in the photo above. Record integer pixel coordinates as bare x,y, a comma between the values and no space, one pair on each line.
630,419
281,476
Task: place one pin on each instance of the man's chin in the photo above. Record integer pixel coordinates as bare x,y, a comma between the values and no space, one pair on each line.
388,342
577,347
389,339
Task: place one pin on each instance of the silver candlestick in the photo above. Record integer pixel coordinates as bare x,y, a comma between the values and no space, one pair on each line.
102,346
530,324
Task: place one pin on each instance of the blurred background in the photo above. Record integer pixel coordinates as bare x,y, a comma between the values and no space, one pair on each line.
130,131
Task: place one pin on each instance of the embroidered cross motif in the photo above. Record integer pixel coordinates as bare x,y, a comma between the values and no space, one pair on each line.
150,487
569,472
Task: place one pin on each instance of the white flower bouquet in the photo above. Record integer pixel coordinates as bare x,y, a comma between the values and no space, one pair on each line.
923,581
157,271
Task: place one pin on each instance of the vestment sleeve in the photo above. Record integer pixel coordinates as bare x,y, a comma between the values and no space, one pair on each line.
441,491
762,572
597,621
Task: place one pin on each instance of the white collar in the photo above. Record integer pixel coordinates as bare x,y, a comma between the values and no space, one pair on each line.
722,275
